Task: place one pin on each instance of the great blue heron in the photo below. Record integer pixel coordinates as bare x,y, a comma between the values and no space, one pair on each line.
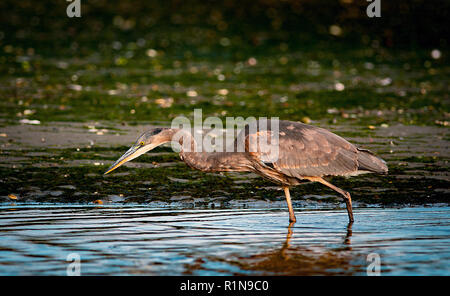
306,153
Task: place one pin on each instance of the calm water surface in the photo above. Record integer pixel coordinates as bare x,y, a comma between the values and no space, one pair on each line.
36,239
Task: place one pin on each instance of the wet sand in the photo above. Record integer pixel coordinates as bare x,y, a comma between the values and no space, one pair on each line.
416,155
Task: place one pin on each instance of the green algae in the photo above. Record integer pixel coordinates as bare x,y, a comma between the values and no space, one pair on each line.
147,70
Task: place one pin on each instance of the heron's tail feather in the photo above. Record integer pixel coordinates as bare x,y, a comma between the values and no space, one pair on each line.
367,161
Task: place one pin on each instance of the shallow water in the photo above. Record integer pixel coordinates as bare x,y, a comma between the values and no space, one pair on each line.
36,239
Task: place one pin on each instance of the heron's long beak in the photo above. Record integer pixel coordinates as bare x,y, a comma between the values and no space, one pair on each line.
131,154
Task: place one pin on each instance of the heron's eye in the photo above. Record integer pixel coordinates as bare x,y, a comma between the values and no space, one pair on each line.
142,143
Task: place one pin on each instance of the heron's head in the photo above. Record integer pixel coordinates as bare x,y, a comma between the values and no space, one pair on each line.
146,142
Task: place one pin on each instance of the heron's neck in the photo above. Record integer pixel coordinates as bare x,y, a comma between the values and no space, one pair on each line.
217,161
210,161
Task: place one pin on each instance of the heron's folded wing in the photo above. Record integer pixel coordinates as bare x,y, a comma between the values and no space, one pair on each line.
305,150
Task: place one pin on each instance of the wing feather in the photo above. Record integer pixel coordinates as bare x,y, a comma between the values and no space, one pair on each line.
306,151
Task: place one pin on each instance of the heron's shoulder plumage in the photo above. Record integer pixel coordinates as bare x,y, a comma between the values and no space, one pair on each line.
317,152
306,150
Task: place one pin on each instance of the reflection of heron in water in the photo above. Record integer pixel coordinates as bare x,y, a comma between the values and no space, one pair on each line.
346,241
302,260
305,153
348,235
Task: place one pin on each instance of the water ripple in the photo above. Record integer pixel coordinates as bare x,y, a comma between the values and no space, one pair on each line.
134,239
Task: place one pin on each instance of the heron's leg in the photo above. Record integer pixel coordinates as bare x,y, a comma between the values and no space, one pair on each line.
347,197
289,203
